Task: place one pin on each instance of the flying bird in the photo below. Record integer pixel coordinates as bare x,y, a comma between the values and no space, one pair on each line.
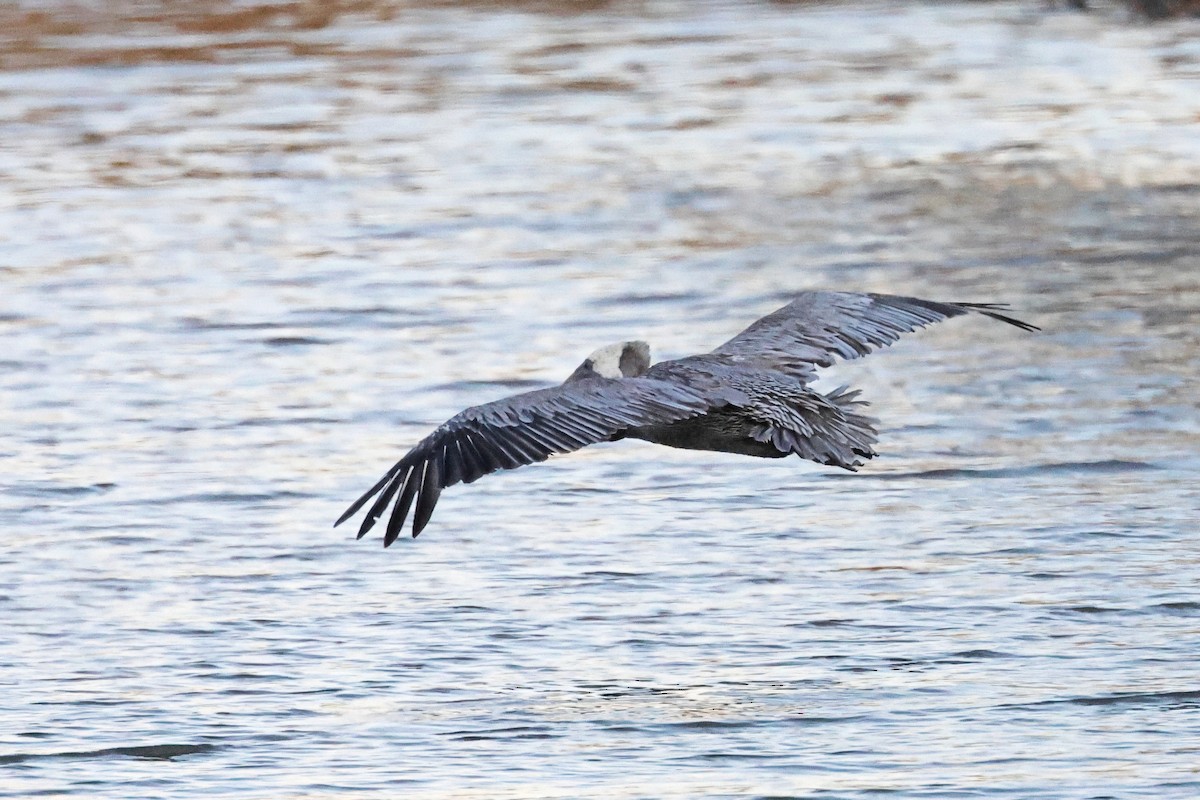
750,396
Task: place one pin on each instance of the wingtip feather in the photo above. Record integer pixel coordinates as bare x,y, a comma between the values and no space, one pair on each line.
993,310
403,504
431,488
361,501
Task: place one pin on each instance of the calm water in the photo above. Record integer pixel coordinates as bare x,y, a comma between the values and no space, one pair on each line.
245,261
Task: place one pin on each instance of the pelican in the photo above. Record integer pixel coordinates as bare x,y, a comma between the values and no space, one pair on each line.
750,396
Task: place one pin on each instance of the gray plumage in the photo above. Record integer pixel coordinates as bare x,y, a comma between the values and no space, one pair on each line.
749,396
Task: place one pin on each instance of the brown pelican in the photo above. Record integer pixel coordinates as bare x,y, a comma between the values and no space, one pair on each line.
749,396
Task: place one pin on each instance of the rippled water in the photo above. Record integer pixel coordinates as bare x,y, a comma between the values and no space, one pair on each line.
246,261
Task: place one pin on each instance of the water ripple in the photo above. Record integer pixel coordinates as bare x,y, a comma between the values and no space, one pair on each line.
159,752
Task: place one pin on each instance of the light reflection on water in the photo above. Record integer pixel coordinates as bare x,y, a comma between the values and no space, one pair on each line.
237,283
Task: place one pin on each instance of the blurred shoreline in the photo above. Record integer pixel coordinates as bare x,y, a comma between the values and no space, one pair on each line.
840,94
64,34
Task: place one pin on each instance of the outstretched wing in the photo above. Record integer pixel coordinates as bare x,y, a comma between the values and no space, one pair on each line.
516,431
817,327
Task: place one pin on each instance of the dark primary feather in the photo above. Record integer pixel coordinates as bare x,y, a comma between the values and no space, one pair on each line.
515,431
817,327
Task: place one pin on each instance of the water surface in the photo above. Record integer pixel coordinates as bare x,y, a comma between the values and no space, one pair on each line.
247,261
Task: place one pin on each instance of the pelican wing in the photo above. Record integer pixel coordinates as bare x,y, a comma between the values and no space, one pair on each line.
818,327
516,431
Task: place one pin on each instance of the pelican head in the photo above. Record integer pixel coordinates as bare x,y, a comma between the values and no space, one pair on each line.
620,360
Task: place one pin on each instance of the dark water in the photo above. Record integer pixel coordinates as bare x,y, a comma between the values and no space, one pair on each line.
246,261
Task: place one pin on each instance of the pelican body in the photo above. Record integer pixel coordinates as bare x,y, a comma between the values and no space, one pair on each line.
750,396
